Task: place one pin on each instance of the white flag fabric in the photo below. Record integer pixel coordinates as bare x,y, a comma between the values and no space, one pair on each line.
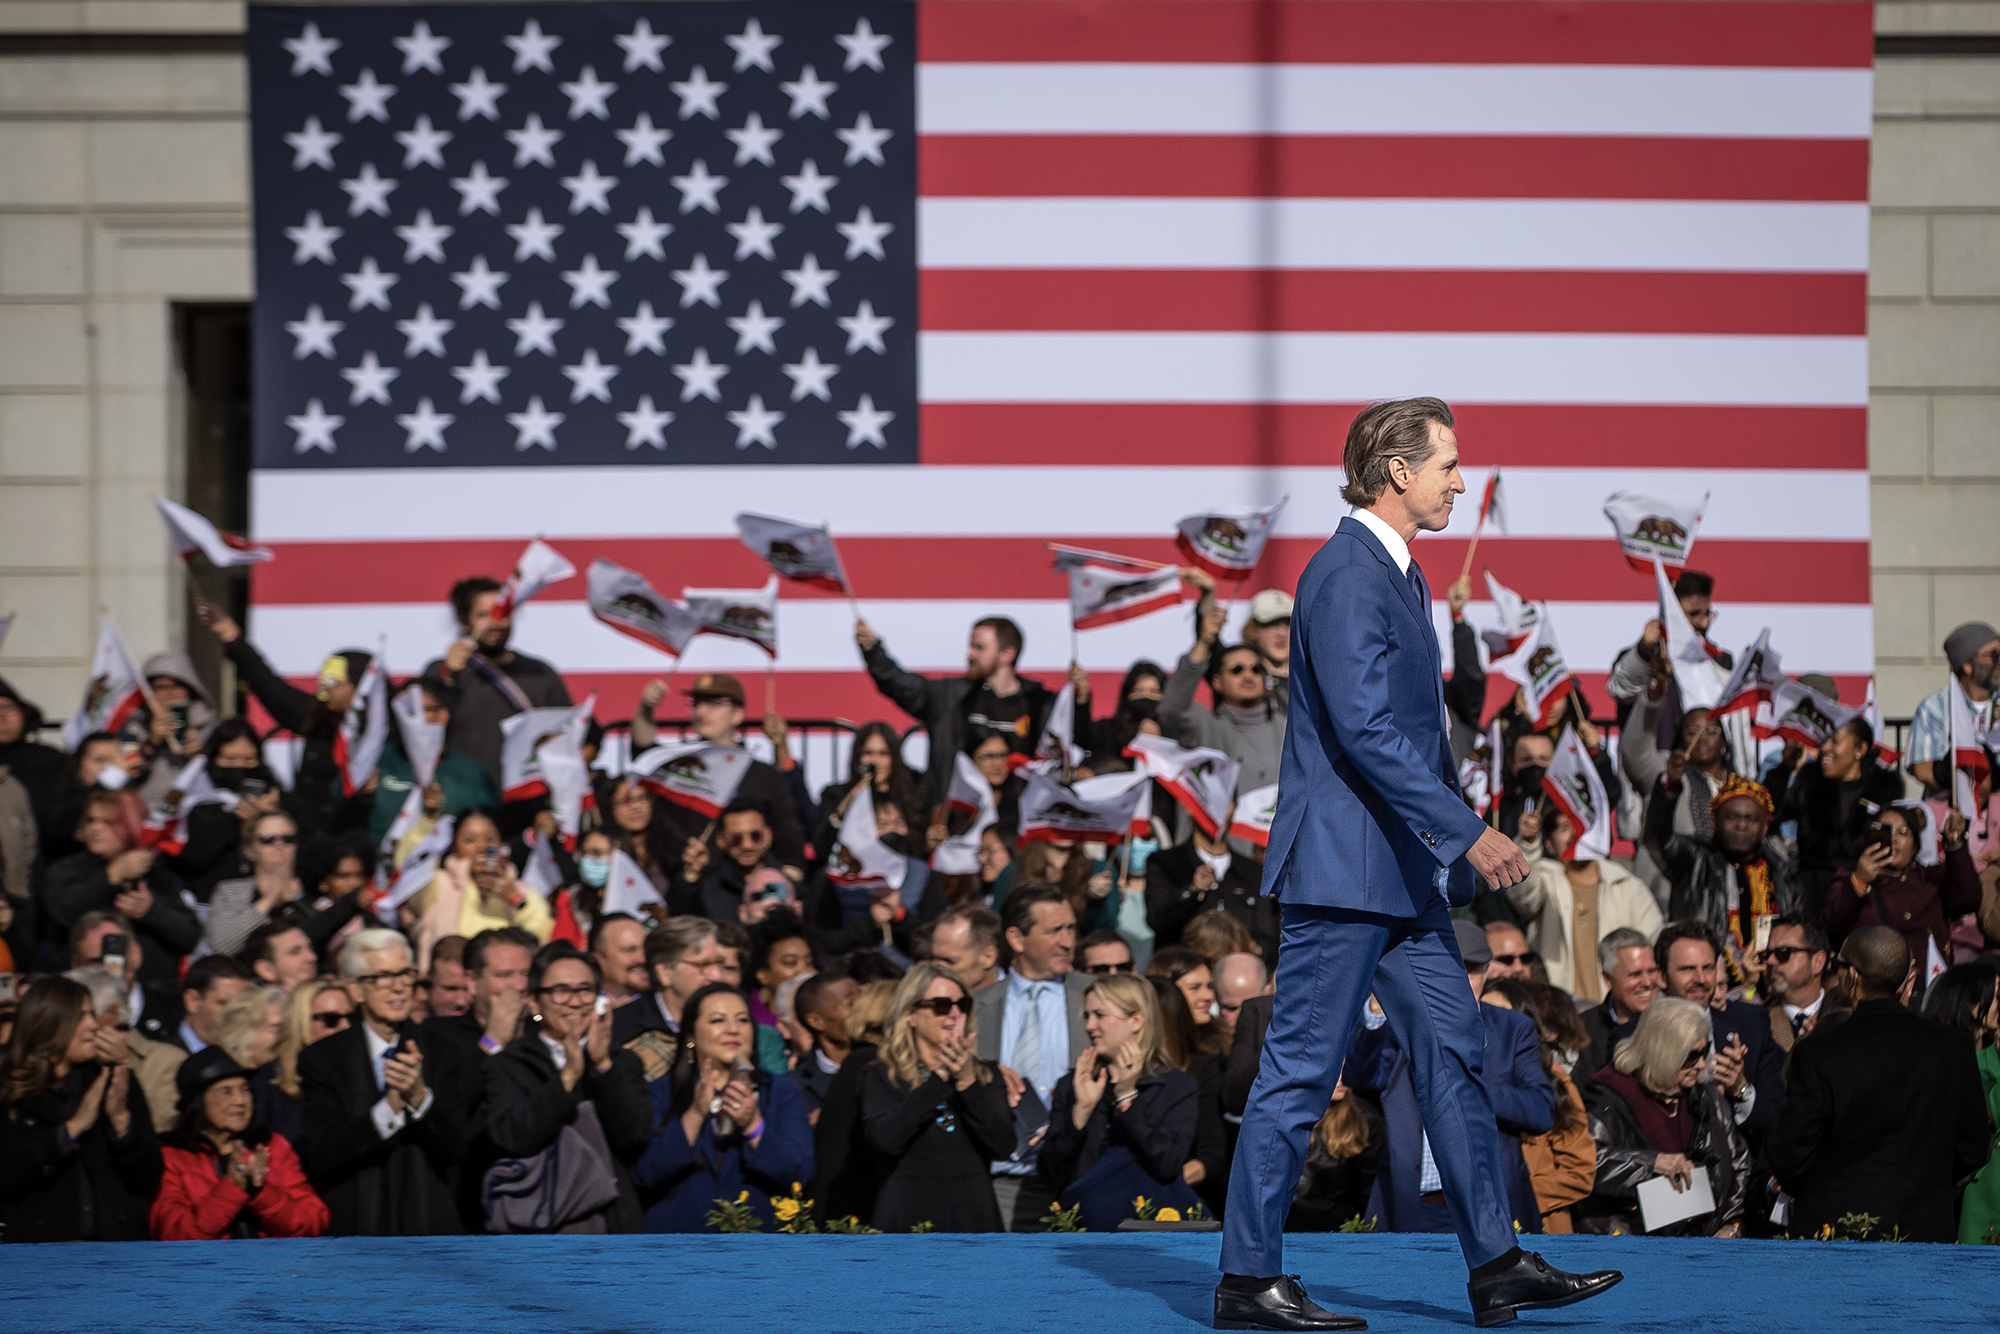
1872,711
1695,669
364,728
166,823
1099,595
423,742
969,794
116,691
1755,682
1492,505
1573,784
1057,744
399,883
1255,812
1103,809
1516,618
566,773
1472,785
1934,964
1538,667
1649,528
539,566
1968,749
1228,546
629,890
540,871
191,533
628,604
523,738
860,859
749,614
795,551
1202,780
695,774
1802,714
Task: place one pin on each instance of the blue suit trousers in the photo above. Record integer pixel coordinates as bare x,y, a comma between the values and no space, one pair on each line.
1329,960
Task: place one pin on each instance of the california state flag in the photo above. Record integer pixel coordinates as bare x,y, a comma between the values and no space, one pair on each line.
1649,528
969,794
860,859
628,890
695,774
1872,711
1755,682
166,823
539,566
1103,809
364,728
524,738
1256,810
192,533
1099,595
1802,714
1573,784
1056,749
749,614
116,690
1538,667
628,604
1516,618
1202,780
1968,750
1228,546
794,551
1695,670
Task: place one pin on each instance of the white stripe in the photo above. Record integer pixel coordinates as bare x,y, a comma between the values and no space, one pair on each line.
929,635
1394,99
413,504
1639,235
1151,367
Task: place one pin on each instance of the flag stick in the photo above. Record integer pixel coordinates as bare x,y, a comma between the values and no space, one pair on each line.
1126,873
1465,571
1133,561
771,686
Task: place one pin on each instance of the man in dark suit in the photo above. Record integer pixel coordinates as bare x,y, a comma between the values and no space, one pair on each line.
154,1008
384,1130
1749,1064
1631,980
1031,1022
1201,874
1886,1116
683,955
498,962
1371,847
1409,1195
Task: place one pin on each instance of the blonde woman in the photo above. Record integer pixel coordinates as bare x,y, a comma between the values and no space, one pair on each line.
251,1026
934,1112
1122,1124
317,1009
1655,1112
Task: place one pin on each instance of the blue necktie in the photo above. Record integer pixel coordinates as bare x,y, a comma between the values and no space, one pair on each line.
1418,586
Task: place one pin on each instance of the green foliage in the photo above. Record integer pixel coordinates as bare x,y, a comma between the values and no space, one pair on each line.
1059,1219
1358,1224
925,1226
734,1216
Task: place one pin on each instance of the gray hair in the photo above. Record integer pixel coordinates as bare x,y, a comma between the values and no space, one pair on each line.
1624,938
367,942
1667,1031
1382,433
109,993
247,1011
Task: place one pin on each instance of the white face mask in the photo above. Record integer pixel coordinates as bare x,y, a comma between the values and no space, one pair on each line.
113,778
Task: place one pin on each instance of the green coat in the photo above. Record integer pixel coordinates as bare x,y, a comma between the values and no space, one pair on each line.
467,786
1979,1211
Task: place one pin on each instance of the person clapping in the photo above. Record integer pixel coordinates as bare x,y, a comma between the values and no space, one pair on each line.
227,1174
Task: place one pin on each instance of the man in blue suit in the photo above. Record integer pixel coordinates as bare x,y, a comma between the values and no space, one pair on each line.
1371,847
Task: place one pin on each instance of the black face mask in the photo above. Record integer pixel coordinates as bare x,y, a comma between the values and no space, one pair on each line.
1528,779
1143,709
232,780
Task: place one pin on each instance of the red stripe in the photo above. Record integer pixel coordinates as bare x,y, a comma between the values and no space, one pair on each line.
1232,166
1460,32
1560,570
1308,435
1396,301
1129,611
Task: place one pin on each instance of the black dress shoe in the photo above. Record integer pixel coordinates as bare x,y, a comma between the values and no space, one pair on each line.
1530,1284
1280,1304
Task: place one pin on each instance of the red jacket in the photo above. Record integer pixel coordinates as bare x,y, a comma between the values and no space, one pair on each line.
198,1202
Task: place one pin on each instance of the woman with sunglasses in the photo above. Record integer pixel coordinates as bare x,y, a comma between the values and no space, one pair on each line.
935,1113
727,1130
238,907
317,1009
1655,1112
1123,1123
563,1073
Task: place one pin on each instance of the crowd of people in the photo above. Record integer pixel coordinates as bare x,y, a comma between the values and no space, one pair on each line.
1782,1004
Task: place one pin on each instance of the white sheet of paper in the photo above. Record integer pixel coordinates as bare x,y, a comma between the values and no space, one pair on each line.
1660,1204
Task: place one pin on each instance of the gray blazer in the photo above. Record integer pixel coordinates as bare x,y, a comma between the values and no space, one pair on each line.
990,1013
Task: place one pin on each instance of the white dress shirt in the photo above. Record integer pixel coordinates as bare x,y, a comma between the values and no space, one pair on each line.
388,1122
1392,541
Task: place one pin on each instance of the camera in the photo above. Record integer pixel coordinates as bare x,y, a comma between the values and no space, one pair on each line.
1881,835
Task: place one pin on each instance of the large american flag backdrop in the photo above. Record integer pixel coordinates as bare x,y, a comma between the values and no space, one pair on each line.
963,276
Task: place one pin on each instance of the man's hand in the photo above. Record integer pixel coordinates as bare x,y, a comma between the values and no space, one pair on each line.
504,1019
1209,620
779,735
1200,578
865,637
218,624
403,1074
1530,825
1652,634
1016,1085
1496,858
1677,767
1729,1073
1204,879
459,654
1586,731
128,866
135,902
1080,680
694,860
1459,594
655,691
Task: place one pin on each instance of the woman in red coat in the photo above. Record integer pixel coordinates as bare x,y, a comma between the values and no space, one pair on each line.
226,1175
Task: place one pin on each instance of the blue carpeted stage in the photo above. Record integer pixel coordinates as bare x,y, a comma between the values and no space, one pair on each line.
875,1285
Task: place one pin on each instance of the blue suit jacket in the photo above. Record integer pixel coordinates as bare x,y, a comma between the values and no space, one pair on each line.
1524,1103
1369,813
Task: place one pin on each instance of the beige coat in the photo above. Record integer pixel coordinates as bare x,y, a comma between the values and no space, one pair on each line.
1545,902
156,1065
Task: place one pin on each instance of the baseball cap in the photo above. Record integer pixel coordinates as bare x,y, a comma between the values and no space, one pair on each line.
1272,604
716,685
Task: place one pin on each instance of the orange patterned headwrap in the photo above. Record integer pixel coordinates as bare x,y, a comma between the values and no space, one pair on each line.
1739,786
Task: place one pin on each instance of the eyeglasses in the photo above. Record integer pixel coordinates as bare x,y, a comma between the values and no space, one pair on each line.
569,995
1710,730
944,1005
750,839
390,981
1781,953
331,1020
272,840
1104,969
1512,960
1694,1058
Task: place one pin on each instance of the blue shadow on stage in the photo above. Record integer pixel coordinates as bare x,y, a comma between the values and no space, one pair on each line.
939,1284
